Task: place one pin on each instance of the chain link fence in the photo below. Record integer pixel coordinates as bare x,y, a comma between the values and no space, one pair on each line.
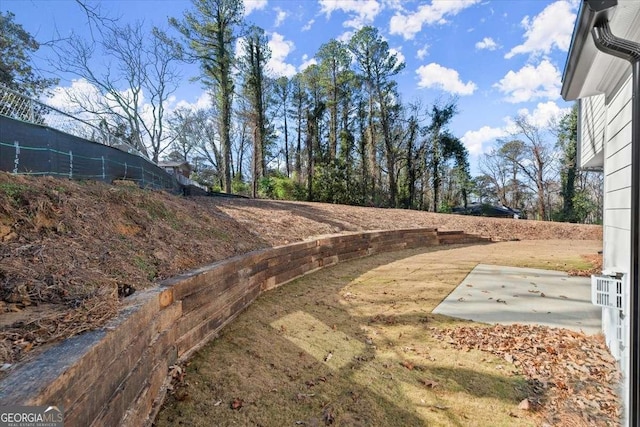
37,139
20,107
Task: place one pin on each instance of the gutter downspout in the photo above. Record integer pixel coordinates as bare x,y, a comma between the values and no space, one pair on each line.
606,42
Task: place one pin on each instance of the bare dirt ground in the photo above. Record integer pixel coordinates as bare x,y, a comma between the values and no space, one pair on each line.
277,220
357,345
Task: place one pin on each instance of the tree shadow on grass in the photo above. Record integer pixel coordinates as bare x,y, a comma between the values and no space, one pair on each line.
299,355
481,384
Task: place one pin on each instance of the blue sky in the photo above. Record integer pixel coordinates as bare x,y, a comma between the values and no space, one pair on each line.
499,58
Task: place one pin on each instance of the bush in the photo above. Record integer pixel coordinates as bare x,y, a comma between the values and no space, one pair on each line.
280,187
238,186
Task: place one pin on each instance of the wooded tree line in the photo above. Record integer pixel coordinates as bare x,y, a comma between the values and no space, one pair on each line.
338,131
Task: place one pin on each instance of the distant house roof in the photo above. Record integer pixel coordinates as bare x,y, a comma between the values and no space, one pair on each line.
173,164
485,209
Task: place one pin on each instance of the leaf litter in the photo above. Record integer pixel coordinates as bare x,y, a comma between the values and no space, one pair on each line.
573,376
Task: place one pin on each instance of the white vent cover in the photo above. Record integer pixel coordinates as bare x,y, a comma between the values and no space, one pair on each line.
606,291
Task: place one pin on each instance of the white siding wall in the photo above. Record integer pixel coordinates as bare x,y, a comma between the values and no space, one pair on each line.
592,126
617,181
617,215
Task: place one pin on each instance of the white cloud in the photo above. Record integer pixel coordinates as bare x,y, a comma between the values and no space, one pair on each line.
80,91
447,79
394,4
308,25
551,28
280,17
531,83
408,25
306,61
363,12
421,53
345,37
239,46
251,5
398,52
61,96
544,114
487,43
202,102
474,140
280,49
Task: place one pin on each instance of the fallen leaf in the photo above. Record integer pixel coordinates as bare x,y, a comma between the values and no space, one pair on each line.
304,396
181,395
327,416
237,403
428,383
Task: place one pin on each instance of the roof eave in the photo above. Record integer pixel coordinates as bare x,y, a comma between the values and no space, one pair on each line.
590,12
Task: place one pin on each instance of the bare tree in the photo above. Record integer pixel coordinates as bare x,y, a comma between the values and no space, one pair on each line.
133,86
495,175
535,158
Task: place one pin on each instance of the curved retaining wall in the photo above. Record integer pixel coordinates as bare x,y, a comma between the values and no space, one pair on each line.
117,375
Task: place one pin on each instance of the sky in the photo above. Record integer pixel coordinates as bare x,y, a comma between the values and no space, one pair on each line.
498,58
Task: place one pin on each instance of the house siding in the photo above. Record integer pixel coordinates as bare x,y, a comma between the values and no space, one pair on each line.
617,217
591,129
617,181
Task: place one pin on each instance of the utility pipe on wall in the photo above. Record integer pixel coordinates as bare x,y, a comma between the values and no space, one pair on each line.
606,42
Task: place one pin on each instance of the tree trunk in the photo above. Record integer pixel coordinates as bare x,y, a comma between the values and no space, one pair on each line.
286,145
310,142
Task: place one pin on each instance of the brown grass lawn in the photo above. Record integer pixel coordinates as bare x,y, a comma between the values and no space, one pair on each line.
355,345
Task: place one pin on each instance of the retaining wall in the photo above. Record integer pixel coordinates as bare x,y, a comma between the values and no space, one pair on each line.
117,375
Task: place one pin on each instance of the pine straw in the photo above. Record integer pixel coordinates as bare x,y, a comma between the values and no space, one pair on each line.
20,338
69,250
69,246
572,374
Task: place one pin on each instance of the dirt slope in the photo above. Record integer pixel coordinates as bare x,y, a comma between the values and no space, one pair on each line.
278,220
71,251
